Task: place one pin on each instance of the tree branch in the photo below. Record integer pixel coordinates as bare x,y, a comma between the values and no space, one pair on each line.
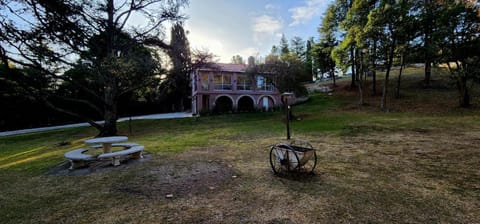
85,102
71,113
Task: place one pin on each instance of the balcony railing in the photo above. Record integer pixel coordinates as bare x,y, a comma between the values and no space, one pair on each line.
268,88
244,87
222,86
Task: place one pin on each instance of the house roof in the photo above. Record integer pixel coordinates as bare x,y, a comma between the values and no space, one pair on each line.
232,67
227,67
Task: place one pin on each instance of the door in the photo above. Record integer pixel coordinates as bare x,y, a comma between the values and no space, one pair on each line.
265,103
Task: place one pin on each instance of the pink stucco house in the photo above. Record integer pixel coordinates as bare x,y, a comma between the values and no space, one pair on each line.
229,87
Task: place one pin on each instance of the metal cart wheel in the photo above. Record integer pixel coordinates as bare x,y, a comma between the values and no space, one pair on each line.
310,164
283,158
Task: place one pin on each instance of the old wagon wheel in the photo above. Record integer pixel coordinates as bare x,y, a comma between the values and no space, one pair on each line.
309,161
283,158
307,155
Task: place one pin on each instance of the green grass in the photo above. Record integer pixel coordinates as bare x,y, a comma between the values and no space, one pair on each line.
416,164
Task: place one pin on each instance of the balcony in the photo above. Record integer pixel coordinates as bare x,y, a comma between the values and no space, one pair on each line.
244,87
222,86
266,88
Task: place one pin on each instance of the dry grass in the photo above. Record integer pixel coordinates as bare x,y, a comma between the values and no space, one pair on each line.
412,166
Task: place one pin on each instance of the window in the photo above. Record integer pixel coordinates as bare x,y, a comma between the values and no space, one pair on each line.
264,83
244,82
222,81
204,81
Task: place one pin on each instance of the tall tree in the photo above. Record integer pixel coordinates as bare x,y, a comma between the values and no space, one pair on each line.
344,53
356,39
284,48
460,48
324,48
237,59
177,84
428,24
297,46
54,36
309,57
390,17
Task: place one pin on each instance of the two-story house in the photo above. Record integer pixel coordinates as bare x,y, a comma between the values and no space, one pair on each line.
229,87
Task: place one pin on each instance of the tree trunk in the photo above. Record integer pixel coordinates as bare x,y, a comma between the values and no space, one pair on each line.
110,125
332,74
461,82
383,105
427,32
110,116
397,92
374,69
352,57
464,94
428,71
110,89
361,79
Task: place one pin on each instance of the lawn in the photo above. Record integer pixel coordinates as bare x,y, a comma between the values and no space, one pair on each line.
418,163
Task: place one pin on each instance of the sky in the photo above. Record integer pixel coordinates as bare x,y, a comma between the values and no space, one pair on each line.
246,27
250,27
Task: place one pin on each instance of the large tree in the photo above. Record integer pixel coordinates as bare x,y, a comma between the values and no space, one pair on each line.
344,53
324,48
237,59
297,46
283,46
389,17
55,36
309,58
460,48
176,87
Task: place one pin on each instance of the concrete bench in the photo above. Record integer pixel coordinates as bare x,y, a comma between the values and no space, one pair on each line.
126,145
78,158
133,152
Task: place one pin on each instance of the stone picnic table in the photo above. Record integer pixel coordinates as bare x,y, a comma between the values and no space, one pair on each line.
79,157
106,142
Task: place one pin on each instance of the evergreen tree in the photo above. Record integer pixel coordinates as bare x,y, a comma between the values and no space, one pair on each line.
59,35
284,48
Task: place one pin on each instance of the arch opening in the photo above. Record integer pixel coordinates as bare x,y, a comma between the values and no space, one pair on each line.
245,104
223,104
266,103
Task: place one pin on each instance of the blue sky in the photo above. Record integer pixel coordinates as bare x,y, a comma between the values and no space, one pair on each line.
250,27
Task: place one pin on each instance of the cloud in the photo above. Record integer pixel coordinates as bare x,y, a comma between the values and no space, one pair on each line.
270,7
305,13
250,51
202,41
265,27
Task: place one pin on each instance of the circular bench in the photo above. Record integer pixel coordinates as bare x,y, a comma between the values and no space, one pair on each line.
133,152
78,158
125,145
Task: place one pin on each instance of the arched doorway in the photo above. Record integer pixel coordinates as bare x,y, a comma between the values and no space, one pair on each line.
223,104
266,103
245,104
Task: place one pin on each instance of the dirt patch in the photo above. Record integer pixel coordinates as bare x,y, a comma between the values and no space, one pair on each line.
195,172
179,179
